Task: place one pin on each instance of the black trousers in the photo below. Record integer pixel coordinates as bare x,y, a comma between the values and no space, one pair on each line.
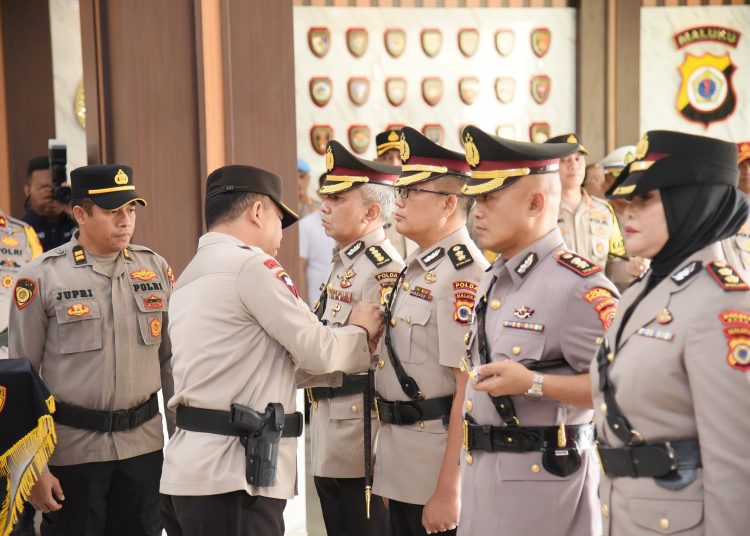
406,520
227,514
343,503
114,498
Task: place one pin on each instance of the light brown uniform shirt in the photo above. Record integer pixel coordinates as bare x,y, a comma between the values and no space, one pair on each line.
681,379
431,315
736,250
363,270
591,230
537,310
99,342
240,331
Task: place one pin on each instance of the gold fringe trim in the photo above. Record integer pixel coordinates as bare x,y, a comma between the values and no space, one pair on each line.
40,443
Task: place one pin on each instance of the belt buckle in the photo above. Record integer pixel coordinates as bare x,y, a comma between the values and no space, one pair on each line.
118,418
377,409
466,435
311,398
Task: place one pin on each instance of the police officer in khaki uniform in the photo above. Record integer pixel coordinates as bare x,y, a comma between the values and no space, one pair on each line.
91,317
669,380
358,197
419,384
737,248
240,331
529,466
18,245
588,224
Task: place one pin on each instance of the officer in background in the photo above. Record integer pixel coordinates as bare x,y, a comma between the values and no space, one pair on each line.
669,380
528,434
613,164
420,387
90,316
737,248
240,331
588,224
358,197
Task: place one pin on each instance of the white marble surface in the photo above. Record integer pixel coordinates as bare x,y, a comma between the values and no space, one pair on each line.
661,59
67,73
450,64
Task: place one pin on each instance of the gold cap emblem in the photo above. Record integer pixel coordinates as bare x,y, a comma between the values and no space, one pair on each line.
329,159
393,136
642,148
572,139
472,153
121,177
404,149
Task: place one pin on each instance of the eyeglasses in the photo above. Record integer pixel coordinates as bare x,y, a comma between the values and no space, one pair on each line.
403,191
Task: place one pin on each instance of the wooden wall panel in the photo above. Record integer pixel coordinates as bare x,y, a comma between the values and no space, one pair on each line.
591,77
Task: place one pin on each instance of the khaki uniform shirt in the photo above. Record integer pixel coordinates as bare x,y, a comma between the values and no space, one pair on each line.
682,378
591,230
537,310
18,245
737,251
240,331
99,342
363,270
431,315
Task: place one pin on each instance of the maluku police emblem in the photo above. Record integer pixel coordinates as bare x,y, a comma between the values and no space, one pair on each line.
706,94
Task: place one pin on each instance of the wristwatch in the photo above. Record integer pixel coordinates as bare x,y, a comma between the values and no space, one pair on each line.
535,391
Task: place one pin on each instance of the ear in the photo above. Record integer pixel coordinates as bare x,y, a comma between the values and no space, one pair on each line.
80,215
451,202
537,201
254,214
373,212
27,190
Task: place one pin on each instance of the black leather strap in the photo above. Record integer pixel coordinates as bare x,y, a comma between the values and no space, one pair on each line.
4,337
322,300
651,459
525,438
617,422
351,384
408,384
214,421
106,421
411,412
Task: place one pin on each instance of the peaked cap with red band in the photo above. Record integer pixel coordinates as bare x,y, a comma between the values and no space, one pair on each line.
424,160
347,171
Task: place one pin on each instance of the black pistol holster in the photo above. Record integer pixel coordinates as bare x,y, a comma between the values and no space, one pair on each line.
261,442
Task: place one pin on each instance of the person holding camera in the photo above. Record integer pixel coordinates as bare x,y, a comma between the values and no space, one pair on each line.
50,218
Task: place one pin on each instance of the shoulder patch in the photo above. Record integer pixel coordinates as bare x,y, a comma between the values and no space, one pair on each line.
79,255
597,293
726,276
386,275
170,276
460,256
684,273
271,264
737,334
355,250
433,255
287,282
377,256
25,292
576,263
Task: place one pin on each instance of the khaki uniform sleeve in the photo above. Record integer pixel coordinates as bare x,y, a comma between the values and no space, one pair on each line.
27,324
617,267
165,359
270,297
36,246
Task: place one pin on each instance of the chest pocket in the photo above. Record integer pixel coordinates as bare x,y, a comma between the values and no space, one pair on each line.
337,312
518,345
415,320
79,326
151,308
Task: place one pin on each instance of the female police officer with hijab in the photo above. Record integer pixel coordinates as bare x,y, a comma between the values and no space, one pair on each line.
669,383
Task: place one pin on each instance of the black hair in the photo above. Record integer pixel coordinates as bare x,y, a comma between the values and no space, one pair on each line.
226,207
37,163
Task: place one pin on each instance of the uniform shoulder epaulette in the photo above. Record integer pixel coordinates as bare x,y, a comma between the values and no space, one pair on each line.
136,247
460,256
377,256
726,276
576,263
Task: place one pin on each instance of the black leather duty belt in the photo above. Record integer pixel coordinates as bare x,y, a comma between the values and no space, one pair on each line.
527,438
106,421
214,421
404,412
350,385
651,459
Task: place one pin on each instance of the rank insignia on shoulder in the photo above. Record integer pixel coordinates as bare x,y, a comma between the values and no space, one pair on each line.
79,256
433,255
686,272
25,292
355,249
528,263
143,275
170,276
460,256
737,333
578,264
377,256
726,276
126,254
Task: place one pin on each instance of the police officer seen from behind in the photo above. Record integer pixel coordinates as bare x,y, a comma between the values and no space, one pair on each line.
529,466
91,317
737,248
668,382
240,332
420,387
358,197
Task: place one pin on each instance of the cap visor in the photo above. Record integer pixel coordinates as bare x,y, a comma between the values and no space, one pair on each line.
288,217
115,200
625,186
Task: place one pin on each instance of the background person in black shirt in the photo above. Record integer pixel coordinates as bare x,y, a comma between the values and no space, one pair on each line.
50,219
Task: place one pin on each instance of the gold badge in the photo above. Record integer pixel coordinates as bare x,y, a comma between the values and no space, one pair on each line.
356,41
359,138
641,150
155,327
468,41
25,292
540,41
395,90
434,132
706,94
505,89
468,89
121,177
335,309
432,90
539,132
403,149
472,153
504,41
78,309
320,135
321,90
430,277
7,281
143,275
540,88
495,304
664,316
432,41
319,41
359,90
9,241
329,159
395,42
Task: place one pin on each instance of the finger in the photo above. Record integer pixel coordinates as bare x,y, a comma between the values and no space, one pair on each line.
57,490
